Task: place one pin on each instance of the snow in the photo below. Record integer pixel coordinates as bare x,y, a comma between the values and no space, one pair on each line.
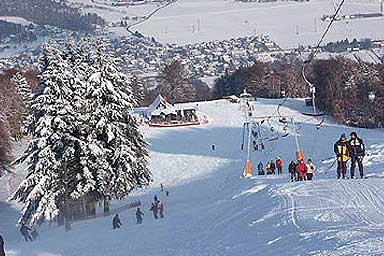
212,211
16,20
287,23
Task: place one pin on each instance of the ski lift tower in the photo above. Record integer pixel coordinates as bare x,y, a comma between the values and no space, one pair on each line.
245,98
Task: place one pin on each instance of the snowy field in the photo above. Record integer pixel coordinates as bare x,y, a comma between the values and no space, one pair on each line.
287,23
212,211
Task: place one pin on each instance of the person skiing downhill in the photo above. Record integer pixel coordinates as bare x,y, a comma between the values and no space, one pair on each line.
116,223
357,153
260,169
139,216
342,151
311,168
154,209
24,230
2,252
301,169
292,171
279,165
161,209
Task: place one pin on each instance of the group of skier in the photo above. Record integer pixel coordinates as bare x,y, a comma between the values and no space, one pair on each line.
301,171
270,167
157,208
345,150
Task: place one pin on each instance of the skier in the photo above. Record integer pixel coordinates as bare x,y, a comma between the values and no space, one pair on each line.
167,193
273,167
279,164
341,149
268,167
154,209
213,147
35,234
24,230
161,209
357,148
116,223
2,252
292,171
139,216
161,187
311,168
260,168
301,169
155,199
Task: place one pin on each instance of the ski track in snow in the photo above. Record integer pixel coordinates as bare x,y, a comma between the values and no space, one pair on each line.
211,211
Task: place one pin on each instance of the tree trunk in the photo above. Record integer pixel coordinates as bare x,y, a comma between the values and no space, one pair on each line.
66,201
107,208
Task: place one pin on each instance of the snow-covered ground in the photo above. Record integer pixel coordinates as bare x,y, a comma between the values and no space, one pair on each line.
212,211
288,23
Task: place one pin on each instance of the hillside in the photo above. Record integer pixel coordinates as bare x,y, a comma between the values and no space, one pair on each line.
212,211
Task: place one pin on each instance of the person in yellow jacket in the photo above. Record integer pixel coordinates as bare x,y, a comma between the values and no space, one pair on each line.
342,151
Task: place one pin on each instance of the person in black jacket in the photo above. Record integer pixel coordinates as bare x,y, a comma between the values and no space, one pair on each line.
139,216
2,252
24,230
357,149
292,171
116,223
260,169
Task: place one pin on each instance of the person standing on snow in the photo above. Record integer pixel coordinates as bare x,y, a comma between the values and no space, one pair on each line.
161,209
279,165
357,148
301,169
273,167
292,171
311,168
139,216
154,209
260,169
2,252
116,223
342,151
24,230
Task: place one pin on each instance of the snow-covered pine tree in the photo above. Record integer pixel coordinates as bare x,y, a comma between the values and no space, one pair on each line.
138,88
25,91
50,183
114,138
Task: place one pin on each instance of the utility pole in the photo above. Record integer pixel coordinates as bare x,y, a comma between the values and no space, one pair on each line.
315,25
198,24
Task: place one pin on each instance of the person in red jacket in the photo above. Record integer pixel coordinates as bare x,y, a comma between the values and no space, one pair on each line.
279,165
301,169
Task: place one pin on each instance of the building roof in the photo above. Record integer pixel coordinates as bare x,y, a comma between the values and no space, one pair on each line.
160,104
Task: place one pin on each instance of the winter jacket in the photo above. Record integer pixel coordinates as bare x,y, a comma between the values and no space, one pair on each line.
2,252
311,168
279,163
260,166
116,222
273,166
292,167
341,149
139,214
301,169
357,147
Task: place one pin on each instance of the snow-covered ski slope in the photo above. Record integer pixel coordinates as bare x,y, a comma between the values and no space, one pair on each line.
212,211
288,23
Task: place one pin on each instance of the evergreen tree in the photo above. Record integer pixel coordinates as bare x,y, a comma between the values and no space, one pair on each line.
48,187
25,92
113,131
